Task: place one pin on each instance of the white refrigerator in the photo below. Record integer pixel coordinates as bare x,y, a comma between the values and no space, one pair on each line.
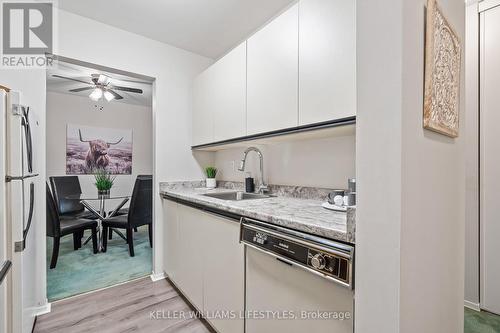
17,201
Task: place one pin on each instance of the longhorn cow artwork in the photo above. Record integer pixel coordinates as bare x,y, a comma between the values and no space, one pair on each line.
91,148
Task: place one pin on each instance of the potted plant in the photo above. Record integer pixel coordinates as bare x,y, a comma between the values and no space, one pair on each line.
103,181
211,172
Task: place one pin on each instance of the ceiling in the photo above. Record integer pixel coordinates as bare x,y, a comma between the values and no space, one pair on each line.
206,27
81,72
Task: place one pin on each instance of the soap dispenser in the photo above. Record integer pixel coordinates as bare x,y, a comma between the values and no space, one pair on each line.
249,183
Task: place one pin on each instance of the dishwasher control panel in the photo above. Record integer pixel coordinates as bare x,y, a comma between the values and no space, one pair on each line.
328,264
333,263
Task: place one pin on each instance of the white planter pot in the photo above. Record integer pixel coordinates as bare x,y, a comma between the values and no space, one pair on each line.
211,183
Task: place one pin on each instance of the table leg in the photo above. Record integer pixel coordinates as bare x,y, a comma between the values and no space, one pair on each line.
100,218
102,211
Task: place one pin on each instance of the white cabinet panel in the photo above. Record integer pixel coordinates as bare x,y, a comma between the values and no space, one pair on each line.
204,258
203,108
224,272
229,85
327,60
272,75
190,270
171,239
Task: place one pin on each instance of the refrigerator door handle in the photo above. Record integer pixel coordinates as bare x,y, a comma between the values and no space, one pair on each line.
21,245
4,270
8,179
27,132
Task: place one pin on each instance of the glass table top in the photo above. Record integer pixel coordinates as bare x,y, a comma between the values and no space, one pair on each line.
95,196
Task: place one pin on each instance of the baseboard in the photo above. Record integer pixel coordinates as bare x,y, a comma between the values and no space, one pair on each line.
158,276
472,306
42,309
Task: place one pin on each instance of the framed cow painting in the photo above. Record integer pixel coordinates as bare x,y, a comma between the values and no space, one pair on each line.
92,148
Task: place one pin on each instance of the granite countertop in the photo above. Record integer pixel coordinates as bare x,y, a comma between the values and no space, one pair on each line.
301,214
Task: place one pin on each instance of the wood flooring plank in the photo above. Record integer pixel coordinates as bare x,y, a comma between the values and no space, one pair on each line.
121,309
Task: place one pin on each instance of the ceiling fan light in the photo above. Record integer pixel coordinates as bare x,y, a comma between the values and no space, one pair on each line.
96,94
109,96
103,79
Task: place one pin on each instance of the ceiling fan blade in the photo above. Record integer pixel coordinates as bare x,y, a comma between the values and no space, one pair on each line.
81,89
117,96
69,78
127,89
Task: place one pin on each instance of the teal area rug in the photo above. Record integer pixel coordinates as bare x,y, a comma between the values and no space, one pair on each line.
481,322
82,271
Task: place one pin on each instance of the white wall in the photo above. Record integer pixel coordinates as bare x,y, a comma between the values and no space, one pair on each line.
64,109
289,163
174,69
410,239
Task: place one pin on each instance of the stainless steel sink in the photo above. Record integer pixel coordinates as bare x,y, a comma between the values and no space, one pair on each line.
236,196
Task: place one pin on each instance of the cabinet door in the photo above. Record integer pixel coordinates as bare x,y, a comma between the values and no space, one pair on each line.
203,108
189,277
327,60
230,94
223,277
171,236
272,71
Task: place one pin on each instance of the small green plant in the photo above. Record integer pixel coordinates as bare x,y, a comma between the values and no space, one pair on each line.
103,180
211,172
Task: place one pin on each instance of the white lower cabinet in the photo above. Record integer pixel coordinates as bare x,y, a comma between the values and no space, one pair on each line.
206,262
190,271
223,281
171,237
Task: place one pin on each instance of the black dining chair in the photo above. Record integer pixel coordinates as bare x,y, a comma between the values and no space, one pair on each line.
57,228
139,213
124,211
63,186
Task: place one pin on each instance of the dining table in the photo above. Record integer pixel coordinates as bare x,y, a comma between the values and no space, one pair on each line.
90,200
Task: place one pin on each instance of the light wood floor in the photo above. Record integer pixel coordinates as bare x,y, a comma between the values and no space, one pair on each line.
124,308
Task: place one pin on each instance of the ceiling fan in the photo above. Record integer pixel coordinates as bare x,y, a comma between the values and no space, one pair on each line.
100,86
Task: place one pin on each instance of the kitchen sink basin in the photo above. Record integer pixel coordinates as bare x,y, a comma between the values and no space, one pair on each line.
236,196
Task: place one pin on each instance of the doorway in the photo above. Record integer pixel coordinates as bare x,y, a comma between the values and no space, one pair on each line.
99,131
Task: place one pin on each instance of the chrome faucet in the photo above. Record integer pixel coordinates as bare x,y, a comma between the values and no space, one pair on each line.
263,188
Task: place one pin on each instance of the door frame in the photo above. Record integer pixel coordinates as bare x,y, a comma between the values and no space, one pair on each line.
472,168
154,111
475,10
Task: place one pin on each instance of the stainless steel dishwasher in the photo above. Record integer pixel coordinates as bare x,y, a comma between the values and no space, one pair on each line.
296,282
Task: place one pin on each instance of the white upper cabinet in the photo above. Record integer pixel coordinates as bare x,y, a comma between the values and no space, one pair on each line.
219,108
327,60
229,93
299,69
204,105
272,75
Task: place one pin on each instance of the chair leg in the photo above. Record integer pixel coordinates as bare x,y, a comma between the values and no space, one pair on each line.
130,241
55,252
105,238
110,233
75,240
94,239
150,231
135,229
